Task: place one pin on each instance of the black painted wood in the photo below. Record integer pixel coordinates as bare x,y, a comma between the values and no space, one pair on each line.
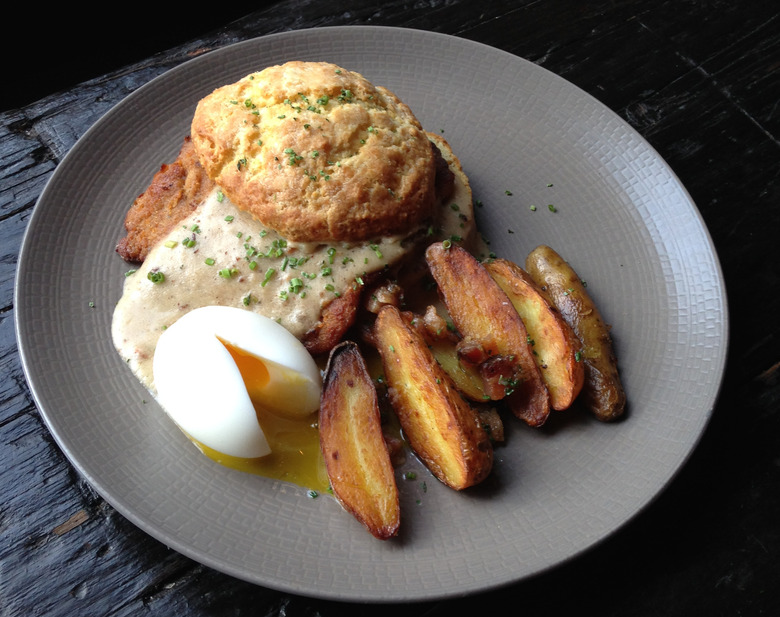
698,79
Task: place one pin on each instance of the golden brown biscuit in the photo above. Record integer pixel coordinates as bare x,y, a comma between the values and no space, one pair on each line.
317,153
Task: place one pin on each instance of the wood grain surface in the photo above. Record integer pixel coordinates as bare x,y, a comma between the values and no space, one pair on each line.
699,80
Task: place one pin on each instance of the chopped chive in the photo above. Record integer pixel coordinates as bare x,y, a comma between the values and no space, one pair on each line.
268,276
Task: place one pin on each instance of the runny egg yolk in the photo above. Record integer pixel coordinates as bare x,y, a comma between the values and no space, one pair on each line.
253,370
295,443
245,390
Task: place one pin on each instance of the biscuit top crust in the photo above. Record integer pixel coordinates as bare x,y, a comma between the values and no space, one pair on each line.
317,153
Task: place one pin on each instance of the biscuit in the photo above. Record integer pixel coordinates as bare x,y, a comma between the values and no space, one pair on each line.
317,153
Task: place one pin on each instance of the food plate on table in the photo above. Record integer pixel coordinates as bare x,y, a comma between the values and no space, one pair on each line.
548,164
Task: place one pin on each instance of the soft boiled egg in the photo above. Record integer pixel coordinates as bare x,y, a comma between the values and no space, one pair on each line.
216,364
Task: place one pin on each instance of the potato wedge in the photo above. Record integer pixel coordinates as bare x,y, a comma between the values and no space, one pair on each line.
494,335
442,428
602,391
356,456
466,378
442,341
337,318
557,349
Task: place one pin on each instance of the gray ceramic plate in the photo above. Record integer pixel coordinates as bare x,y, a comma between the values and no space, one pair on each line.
622,219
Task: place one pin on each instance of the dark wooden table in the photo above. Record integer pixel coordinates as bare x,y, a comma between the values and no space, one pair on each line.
699,80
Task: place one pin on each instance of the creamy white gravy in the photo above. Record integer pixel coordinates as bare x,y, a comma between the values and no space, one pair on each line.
221,255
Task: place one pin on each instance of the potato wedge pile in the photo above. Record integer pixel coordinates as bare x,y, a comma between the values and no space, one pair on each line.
497,336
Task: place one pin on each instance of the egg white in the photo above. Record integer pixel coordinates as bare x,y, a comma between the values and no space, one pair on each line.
199,385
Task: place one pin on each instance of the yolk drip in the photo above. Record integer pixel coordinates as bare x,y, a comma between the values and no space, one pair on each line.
295,454
295,443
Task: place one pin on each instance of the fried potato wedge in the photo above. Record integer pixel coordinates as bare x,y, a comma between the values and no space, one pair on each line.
356,455
442,428
466,378
556,348
337,318
602,391
442,341
494,335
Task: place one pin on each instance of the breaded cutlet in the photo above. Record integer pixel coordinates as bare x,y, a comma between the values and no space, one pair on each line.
175,191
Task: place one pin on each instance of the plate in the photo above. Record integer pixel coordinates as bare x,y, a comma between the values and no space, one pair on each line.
525,137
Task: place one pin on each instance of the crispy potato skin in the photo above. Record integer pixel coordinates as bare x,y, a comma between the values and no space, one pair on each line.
556,347
356,454
602,391
494,335
441,427
337,318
